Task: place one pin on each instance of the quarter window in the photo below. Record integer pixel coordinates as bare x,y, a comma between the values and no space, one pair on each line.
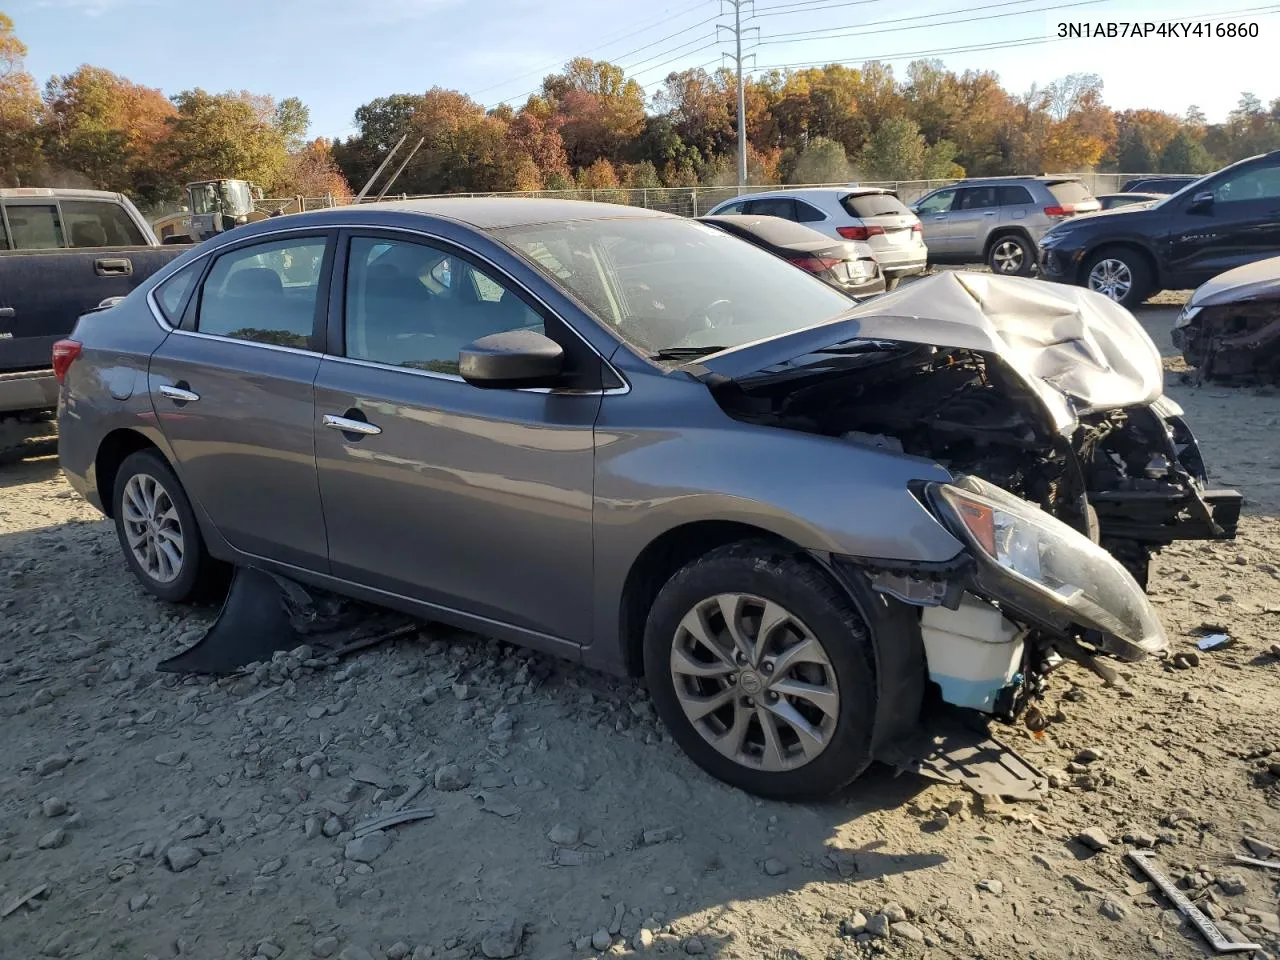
806,213
266,293
172,293
413,305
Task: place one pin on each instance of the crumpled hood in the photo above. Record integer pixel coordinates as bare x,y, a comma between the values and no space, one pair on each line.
1260,279
1062,341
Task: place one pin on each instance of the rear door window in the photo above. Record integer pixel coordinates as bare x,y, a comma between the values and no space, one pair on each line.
99,223
873,205
1013,196
266,293
732,209
976,198
1069,191
35,226
774,207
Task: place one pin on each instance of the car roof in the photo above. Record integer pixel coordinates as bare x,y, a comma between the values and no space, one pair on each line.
850,191
493,213
775,230
56,193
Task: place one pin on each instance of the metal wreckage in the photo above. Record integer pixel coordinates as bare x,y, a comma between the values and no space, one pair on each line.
1039,395
1230,327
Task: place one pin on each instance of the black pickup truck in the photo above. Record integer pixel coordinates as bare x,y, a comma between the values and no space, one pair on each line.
62,253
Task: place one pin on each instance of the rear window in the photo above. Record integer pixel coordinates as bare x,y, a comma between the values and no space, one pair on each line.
783,232
1069,191
99,223
35,226
863,205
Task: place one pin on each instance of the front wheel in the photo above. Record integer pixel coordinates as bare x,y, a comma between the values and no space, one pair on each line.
761,668
1120,274
158,531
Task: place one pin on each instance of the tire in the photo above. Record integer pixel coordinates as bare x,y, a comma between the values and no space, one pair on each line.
145,482
1011,255
751,574
1129,270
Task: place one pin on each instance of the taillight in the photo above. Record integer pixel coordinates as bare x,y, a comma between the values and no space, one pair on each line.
817,264
1065,210
917,228
65,353
860,233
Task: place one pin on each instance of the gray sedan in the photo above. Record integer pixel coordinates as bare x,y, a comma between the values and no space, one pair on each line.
610,434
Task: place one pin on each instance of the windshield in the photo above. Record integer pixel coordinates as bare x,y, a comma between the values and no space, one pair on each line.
236,200
673,285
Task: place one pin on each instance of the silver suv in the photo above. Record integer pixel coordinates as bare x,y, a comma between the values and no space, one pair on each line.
998,220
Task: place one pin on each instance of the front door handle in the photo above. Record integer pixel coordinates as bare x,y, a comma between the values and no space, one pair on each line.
178,394
989,213
347,425
113,267
7,313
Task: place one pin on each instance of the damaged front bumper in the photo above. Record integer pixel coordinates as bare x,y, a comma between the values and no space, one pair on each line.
1232,330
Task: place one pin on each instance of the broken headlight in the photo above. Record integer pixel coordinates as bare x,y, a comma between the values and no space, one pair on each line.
1034,564
1185,317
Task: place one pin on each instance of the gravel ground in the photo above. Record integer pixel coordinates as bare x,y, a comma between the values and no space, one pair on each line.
144,815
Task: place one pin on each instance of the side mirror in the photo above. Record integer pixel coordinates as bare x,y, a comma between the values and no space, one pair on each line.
517,358
1201,201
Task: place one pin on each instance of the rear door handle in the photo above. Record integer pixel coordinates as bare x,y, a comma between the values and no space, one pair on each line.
347,425
178,394
989,213
7,313
113,267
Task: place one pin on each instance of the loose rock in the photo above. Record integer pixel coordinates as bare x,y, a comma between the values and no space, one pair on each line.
1095,838
908,931
368,848
180,858
53,807
452,777
503,939
600,940
774,867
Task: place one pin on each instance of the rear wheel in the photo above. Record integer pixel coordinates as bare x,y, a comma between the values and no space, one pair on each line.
158,531
762,670
1121,274
1011,255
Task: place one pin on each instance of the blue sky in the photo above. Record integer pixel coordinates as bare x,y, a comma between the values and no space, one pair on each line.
337,55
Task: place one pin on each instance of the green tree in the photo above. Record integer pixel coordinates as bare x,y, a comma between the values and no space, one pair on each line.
217,135
1133,154
293,119
1185,154
940,162
896,151
822,161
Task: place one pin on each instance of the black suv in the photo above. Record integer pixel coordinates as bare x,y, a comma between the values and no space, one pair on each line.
1157,184
1221,221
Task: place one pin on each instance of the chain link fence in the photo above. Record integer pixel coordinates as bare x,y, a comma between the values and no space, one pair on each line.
686,201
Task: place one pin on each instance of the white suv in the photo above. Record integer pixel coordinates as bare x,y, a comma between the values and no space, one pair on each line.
846,213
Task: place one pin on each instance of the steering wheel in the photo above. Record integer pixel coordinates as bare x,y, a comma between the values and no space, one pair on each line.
718,313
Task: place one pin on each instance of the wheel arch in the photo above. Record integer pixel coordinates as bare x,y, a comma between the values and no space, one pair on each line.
893,626
999,233
112,451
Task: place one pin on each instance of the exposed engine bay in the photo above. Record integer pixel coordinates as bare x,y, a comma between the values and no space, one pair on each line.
1230,327
1052,394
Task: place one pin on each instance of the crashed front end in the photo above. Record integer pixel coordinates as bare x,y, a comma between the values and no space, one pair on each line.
1230,327
1069,466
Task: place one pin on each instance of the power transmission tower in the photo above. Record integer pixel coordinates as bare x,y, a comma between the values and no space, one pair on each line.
737,31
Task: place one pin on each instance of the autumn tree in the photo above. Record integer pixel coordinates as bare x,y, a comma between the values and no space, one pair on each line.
19,110
311,171
110,130
600,111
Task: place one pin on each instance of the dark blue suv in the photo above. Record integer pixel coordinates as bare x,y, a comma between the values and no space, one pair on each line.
1216,223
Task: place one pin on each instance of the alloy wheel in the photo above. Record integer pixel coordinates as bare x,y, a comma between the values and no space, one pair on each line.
1112,278
153,528
1007,257
754,682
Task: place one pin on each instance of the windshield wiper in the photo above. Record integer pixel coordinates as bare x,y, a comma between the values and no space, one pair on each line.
684,353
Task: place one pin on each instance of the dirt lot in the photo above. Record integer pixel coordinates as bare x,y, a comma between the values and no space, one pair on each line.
156,817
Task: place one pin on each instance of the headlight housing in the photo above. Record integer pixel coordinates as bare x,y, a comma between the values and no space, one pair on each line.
1039,566
1185,317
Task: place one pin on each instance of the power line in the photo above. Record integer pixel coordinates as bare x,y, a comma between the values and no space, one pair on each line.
858,30
639,28
810,6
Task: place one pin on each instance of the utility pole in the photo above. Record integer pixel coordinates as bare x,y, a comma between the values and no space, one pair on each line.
737,58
